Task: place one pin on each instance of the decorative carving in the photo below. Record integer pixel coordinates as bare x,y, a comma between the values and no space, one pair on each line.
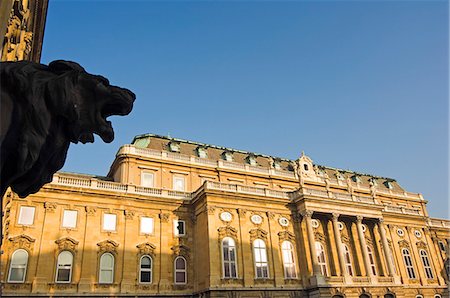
129,214
146,248
403,244
227,232
18,38
67,243
22,241
211,210
270,215
286,235
359,218
91,210
50,207
242,212
335,216
193,217
319,237
108,246
180,250
345,239
164,217
369,241
258,234
421,245
44,109
307,213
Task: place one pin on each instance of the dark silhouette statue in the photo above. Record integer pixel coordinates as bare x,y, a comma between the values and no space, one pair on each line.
43,109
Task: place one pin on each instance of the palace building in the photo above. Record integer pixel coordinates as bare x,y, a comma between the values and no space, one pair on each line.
178,218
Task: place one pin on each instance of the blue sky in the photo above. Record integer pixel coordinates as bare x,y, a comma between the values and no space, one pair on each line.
360,85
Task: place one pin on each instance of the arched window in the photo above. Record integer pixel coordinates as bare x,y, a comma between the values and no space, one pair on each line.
145,269
18,266
180,270
338,296
408,263
229,258
64,267
426,263
364,296
287,250
106,273
321,258
260,255
371,261
348,260
389,295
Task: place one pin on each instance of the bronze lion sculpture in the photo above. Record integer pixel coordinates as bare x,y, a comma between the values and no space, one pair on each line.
43,109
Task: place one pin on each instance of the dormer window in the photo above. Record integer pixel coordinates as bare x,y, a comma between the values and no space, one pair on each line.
251,159
356,179
201,152
339,176
306,167
174,147
374,181
227,155
388,184
277,165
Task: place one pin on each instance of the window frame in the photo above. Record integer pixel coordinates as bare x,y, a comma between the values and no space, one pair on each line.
106,269
348,259
232,249
143,174
176,231
175,271
152,220
181,178
373,266
289,250
259,253
21,208
64,267
427,268
320,251
104,229
145,269
408,259
19,266
64,217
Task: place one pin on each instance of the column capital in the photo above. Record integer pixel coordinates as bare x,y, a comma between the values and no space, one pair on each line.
381,220
335,216
307,213
359,218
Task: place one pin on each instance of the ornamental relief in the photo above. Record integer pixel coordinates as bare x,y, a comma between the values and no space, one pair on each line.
320,237
22,241
180,250
108,246
50,207
67,243
146,248
91,210
345,239
129,214
403,244
286,235
421,245
164,217
227,232
369,241
257,234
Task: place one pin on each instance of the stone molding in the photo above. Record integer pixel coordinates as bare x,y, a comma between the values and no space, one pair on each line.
286,236
227,231
50,207
67,243
146,248
108,246
22,241
258,233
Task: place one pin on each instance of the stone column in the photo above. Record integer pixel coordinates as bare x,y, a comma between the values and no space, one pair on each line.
386,250
363,243
312,243
337,237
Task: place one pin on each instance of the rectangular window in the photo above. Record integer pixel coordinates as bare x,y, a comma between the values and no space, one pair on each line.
179,227
26,215
69,219
147,179
179,183
109,222
146,225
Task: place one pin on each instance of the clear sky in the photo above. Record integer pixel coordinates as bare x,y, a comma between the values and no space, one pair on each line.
360,85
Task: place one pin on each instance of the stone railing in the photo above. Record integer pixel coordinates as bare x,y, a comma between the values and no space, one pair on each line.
385,279
333,195
440,223
245,189
194,160
361,279
93,183
404,210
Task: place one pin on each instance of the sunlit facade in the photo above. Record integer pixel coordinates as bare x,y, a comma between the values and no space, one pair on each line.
181,218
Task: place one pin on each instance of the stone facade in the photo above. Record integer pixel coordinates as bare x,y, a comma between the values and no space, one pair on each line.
179,218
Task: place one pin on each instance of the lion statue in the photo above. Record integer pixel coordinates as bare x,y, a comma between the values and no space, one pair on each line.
43,109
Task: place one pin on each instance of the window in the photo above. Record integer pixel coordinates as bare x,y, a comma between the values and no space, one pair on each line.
348,260
202,153
147,179
145,269
320,251
18,266
315,223
228,156
180,270
277,165
146,225
69,219
260,255
178,183
174,147
441,245
26,215
106,273
229,258
287,250
252,160
64,267
400,232
408,263
426,264
179,227
109,222
371,260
